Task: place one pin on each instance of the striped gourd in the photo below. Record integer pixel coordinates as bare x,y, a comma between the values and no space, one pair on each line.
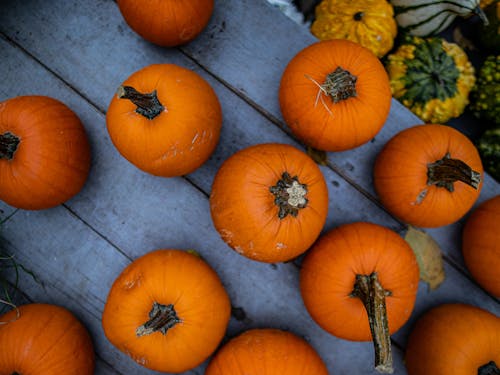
427,17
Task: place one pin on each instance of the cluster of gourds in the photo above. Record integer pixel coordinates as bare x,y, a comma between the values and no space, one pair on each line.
431,76
168,310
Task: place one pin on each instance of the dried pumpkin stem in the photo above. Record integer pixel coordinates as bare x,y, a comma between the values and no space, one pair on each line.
148,105
162,318
8,145
372,294
446,171
289,195
490,368
340,85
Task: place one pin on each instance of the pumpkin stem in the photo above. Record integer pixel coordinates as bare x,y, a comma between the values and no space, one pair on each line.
148,105
372,294
289,195
162,318
481,15
340,85
490,368
8,145
446,171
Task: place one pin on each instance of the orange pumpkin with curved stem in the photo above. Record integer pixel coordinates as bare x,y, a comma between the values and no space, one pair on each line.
44,152
481,245
44,339
266,351
357,274
269,202
167,310
165,120
335,95
428,175
454,339
167,22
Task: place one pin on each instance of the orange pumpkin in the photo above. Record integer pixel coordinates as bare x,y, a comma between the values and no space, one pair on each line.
481,245
335,95
269,202
44,152
44,340
428,175
357,274
167,310
167,22
454,339
266,351
165,120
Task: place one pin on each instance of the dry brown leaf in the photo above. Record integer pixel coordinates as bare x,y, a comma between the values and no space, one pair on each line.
429,257
317,155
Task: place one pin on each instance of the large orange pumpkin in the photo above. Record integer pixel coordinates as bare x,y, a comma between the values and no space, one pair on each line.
359,282
454,339
167,310
44,340
266,351
428,175
165,120
167,22
269,202
335,95
481,245
44,152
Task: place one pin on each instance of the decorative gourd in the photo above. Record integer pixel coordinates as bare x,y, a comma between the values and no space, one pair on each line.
489,34
44,152
485,96
165,120
335,95
167,310
481,245
454,339
269,202
266,351
367,22
357,274
430,17
167,22
431,77
44,340
489,149
428,175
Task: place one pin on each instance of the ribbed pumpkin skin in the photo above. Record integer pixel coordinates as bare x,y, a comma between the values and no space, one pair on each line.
45,340
167,22
453,339
266,351
370,23
167,277
52,160
313,116
243,208
178,140
400,175
481,245
329,270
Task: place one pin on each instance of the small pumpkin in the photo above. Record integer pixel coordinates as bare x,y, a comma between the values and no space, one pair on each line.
481,245
488,145
165,119
425,18
266,351
431,77
485,96
367,22
167,310
44,339
454,339
356,274
335,95
44,152
428,175
269,202
167,22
